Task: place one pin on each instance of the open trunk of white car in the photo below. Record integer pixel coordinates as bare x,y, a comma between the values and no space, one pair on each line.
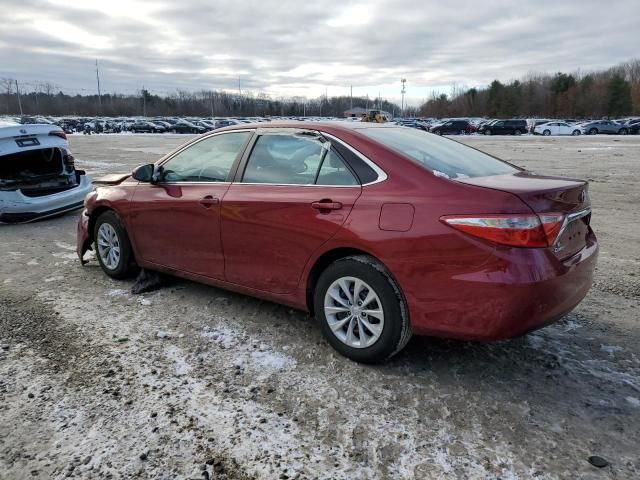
37,173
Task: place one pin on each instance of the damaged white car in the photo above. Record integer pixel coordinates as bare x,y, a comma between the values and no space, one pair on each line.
38,177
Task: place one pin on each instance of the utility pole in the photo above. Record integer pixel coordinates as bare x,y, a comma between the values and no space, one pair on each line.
19,101
99,95
351,102
144,102
403,91
239,96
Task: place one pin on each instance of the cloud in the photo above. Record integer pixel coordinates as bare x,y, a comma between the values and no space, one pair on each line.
288,47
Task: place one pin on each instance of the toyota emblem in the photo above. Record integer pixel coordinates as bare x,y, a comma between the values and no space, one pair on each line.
23,131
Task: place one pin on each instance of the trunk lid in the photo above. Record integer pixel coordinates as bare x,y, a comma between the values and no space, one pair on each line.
548,194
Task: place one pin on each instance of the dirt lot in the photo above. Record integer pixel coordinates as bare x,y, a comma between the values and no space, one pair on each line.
195,382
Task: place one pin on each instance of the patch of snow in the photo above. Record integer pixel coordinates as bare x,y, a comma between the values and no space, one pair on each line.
181,364
633,401
66,246
611,349
67,255
273,360
117,292
224,336
54,279
33,261
144,301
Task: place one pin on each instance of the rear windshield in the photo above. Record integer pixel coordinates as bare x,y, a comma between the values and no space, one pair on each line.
444,157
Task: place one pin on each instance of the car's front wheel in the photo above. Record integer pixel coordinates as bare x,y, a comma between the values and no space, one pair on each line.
487,132
622,131
575,133
593,131
361,310
113,248
546,133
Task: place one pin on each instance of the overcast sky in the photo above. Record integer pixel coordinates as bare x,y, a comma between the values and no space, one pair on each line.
286,48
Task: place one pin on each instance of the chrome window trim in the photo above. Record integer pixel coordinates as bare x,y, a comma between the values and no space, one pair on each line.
297,185
161,184
162,161
382,175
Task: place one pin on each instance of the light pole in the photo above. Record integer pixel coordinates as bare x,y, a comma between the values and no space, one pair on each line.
403,91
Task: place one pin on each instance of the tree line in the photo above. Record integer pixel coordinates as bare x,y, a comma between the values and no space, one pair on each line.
612,93
45,100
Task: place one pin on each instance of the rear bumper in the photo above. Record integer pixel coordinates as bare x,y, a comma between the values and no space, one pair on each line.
515,291
15,207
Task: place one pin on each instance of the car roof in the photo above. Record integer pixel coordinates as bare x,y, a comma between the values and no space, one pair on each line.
335,126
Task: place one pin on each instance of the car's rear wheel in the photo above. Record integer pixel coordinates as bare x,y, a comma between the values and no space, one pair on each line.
593,131
546,133
487,132
517,132
361,310
575,133
622,131
113,248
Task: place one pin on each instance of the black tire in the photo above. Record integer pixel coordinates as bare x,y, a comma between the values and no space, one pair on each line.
546,133
439,132
622,131
593,131
517,132
126,266
396,331
575,133
487,132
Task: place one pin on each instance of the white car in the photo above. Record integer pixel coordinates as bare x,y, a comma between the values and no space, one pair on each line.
556,128
38,177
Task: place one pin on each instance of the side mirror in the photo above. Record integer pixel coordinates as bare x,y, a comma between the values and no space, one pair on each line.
144,173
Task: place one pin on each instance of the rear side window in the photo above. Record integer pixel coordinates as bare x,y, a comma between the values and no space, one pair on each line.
334,172
284,159
296,160
442,156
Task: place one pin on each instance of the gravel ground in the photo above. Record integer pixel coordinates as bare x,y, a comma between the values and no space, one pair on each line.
195,382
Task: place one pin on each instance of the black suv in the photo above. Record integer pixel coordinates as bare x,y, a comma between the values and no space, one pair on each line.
452,127
504,127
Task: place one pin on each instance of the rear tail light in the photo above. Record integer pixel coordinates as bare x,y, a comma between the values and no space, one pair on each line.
58,133
535,231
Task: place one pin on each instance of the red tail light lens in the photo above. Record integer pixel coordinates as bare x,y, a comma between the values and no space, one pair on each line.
58,133
533,231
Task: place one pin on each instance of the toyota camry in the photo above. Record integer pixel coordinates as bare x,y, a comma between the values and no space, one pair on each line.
379,231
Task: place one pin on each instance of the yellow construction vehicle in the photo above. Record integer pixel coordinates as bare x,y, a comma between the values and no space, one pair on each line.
374,116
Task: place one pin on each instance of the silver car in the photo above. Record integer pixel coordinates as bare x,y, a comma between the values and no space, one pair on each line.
38,177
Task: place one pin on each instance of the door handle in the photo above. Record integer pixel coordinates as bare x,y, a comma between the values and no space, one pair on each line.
326,205
209,201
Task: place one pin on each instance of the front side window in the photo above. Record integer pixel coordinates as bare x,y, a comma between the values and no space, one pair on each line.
209,160
442,156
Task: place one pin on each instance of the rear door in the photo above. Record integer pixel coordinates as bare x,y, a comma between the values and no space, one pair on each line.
292,193
176,221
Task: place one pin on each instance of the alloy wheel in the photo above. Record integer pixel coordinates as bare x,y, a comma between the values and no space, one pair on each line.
108,246
354,312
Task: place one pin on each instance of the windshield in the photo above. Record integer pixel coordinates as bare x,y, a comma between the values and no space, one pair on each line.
444,157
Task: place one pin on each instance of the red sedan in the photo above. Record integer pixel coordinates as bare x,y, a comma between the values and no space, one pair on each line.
379,231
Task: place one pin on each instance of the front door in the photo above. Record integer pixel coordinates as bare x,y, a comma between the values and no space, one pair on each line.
176,221
294,194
